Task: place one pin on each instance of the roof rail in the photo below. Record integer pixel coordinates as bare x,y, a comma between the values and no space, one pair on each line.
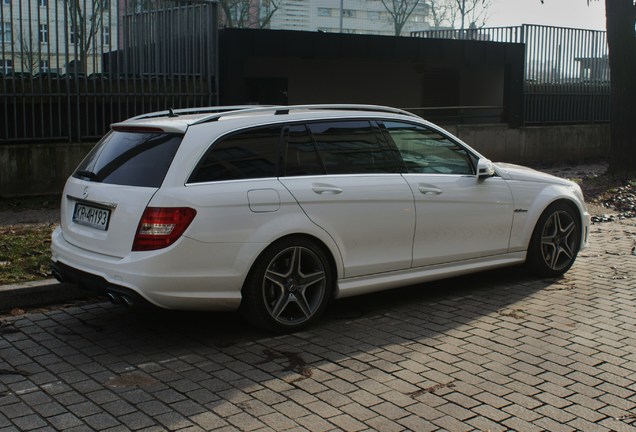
200,110
286,109
216,112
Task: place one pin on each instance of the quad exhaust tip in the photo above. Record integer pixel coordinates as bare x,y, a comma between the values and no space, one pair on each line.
119,299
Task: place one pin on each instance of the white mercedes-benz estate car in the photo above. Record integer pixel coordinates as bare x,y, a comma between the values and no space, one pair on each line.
277,210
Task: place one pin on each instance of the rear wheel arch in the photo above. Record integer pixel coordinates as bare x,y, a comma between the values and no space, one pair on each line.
318,242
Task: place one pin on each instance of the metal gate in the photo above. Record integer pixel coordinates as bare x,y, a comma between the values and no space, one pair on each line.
567,77
69,68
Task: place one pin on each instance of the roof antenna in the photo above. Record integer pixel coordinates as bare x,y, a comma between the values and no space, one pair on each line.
171,113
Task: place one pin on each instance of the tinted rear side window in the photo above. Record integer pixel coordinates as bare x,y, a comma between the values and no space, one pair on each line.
130,158
352,147
302,157
247,154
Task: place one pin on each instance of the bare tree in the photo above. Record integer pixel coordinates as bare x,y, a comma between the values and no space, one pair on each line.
400,11
441,12
86,18
620,18
248,13
460,14
30,51
470,13
621,40
268,8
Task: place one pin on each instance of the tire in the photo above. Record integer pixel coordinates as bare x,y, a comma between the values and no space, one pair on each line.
555,241
288,287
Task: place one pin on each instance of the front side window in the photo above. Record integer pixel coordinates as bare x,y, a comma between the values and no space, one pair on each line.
424,150
130,158
351,147
247,154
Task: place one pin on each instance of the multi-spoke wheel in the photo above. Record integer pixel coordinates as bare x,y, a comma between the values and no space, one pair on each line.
555,241
289,286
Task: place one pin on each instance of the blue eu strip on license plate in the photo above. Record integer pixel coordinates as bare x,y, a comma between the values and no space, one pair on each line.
93,217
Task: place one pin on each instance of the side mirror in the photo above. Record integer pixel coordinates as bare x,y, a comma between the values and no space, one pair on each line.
485,169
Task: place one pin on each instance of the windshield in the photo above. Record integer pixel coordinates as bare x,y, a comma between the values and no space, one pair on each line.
130,158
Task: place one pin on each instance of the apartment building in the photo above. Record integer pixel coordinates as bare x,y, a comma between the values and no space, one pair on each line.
346,16
55,36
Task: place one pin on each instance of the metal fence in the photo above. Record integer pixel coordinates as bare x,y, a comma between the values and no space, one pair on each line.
566,70
69,68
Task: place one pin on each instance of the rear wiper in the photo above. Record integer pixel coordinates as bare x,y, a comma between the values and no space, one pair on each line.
88,174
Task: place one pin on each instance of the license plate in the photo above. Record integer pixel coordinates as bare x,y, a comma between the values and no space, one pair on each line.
94,217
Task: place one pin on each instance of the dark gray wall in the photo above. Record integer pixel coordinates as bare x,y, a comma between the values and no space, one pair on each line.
265,66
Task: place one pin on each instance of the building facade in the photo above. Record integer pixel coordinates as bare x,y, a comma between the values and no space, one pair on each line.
55,36
346,16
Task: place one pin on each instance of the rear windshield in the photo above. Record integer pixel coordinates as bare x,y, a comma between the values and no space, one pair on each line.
130,158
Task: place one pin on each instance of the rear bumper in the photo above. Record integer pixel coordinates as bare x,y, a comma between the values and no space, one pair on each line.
100,286
189,275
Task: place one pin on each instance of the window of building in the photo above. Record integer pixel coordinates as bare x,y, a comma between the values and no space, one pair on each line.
44,66
244,155
6,66
324,12
348,13
44,34
43,3
5,32
72,34
106,36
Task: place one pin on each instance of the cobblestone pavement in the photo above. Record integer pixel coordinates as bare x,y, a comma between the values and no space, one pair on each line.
493,352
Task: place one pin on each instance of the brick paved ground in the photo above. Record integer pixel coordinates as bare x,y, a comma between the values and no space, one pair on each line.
498,351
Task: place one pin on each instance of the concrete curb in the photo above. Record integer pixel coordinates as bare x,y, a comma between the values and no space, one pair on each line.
39,293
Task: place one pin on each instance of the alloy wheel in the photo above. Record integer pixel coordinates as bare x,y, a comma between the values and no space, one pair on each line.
294,285
559,240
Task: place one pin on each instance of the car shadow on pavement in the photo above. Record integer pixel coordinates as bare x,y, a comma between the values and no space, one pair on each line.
415,312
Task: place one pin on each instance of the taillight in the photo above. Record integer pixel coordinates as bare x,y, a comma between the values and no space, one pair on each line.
160,227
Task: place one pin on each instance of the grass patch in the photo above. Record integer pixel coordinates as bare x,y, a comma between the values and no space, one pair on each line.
25,253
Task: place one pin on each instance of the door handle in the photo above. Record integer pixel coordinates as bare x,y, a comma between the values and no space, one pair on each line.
429,189
320,189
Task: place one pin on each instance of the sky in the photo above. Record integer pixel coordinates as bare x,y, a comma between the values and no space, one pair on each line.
560,13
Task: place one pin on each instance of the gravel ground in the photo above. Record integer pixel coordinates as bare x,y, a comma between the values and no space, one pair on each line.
30,210
25,217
